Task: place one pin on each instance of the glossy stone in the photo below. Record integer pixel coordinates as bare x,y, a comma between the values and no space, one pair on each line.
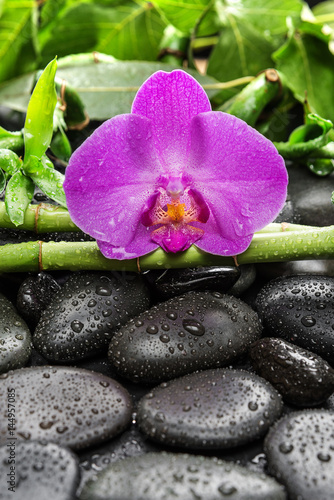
194,331
213,409
71,407
300,453
300,309
85,313
171,282
37,471
162,476
35,293
15,338
303,378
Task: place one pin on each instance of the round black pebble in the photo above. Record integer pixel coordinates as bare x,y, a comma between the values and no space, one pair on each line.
171,282
32,470
303,378
213,409
85,313
195,331
162,476
300,453
72,407
300,309
35,293
15,338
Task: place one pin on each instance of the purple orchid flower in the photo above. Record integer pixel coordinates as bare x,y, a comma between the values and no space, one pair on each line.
173,173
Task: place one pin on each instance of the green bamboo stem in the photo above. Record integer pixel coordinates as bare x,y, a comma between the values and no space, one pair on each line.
312,243
47,218
43,218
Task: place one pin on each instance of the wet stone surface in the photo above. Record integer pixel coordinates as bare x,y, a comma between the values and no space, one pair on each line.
300,309
300,452
72,407
197,330
162,476
85,313
213,409
301,377
15,338
35,293
41,471
171,282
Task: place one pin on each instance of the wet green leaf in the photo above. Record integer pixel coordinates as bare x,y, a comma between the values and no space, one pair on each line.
126,30
308,66
19,192
9,161
38,127
60,146
321,167
49,180
184,15
17,45
2,181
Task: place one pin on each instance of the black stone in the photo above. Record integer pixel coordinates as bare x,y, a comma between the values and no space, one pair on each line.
162,476
172,282
194,331
302,378
71,407
300,309
37,471
300,453
15,338
85,313
213,409
35,293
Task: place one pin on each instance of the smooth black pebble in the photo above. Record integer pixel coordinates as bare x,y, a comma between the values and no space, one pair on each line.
300,453
85,313
69,406
213,409
300,309
35,293
34,470
172,282
197,330
15,338
303,378
162,476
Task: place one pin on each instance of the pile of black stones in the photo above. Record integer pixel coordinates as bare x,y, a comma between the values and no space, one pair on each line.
192,384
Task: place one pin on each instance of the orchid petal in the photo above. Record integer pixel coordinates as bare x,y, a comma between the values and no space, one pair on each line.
110,177
239,174
171,100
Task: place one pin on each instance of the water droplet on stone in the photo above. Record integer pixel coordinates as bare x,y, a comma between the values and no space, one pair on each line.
194,327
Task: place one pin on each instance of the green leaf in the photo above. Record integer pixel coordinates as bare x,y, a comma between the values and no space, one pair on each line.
308,66
241,51
2,181
9,161
268,17
17,38
38,127
11,140
324,13
184,15
321,167
49,180
109,89
129,30
60,146
19,192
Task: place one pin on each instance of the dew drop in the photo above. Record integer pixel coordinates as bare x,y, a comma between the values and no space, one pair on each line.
194,327
308,321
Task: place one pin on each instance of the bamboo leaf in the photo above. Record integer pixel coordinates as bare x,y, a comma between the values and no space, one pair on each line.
38,127
19,192
17,38
49,180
